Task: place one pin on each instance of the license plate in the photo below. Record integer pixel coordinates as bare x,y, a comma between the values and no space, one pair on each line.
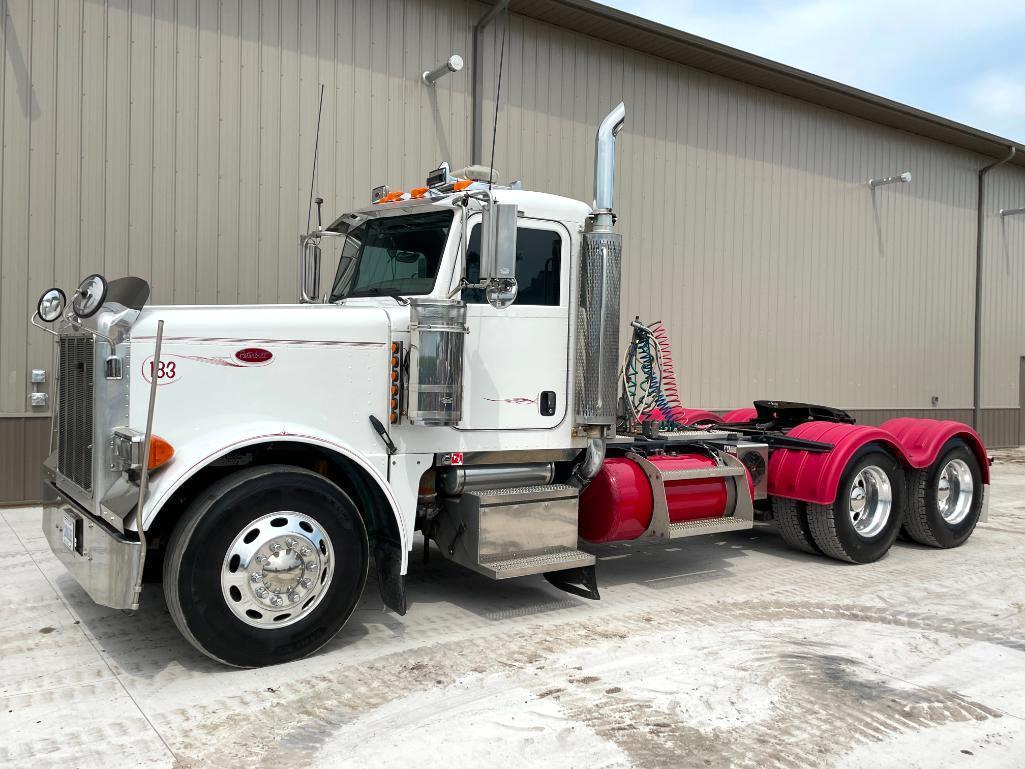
69,532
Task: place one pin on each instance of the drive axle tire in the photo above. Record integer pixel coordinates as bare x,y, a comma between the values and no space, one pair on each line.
791,518
266,566
945,500
864,519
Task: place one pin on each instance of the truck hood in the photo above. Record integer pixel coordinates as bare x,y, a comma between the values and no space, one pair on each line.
264,324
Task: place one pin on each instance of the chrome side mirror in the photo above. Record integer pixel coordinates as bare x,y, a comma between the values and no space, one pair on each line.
498,254
91,294
309,271
51,305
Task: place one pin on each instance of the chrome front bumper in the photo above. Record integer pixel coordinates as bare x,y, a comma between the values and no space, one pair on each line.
103,562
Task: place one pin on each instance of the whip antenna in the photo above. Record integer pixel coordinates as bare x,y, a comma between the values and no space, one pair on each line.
498,98
316,148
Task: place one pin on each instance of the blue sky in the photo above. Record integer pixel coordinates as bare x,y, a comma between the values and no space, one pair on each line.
962,60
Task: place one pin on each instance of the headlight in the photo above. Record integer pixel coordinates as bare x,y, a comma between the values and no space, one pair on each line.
128,447
89,298
51,304
127,454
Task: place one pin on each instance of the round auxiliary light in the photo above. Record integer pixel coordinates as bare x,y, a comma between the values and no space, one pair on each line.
51,304
90,296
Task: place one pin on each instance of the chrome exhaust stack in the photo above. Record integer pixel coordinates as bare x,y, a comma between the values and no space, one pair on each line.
605,168
597,356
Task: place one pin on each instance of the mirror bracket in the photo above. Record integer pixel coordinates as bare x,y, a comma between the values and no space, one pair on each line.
309,267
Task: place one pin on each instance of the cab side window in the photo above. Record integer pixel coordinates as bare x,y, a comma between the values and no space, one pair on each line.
538,267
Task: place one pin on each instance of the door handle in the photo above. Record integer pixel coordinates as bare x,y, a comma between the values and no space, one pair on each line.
547,403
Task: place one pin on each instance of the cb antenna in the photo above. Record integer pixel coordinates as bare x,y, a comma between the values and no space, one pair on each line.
498,97
313,176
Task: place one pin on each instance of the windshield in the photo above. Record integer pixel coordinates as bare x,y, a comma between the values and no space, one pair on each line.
392,256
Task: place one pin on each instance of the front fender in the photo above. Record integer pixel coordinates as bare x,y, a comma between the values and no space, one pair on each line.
198,454
923,439
814,478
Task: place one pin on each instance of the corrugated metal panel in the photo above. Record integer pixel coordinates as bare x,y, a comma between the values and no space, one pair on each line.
24,443
175,140
616,26
750,230
1003,311
999,427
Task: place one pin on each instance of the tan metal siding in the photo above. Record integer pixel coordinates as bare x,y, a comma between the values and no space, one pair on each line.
751,232
174,140
1003,305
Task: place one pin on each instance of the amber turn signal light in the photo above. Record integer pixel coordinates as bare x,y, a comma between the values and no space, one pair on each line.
160,452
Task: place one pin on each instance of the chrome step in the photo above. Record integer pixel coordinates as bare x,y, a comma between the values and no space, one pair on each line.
512,532
696,473
534,562
708,526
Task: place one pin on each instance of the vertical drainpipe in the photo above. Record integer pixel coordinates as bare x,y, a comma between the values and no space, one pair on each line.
477,95
976,363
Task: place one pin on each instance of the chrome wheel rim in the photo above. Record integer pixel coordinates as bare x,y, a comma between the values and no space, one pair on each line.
277,569
955,490
871,500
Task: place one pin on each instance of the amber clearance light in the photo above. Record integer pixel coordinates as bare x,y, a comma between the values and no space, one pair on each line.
160,452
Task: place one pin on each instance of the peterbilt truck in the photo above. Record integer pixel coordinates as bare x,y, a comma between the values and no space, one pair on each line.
462,378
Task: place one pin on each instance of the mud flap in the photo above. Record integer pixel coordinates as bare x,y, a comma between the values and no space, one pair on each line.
581,581
389,576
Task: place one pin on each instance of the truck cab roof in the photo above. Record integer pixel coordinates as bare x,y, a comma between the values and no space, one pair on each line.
534,205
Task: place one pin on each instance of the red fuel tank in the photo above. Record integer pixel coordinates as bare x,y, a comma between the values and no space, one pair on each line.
618,503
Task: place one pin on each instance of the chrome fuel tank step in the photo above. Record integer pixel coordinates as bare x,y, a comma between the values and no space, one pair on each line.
512,532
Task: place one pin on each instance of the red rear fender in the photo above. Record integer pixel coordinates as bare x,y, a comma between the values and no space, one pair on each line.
813,477
740,415
923,439
693,416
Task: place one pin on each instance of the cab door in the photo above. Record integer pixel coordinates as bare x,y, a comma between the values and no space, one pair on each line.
516,363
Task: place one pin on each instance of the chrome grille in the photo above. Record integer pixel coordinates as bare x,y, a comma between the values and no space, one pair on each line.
75,410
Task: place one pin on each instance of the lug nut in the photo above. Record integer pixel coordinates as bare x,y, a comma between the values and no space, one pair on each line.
305,583
261,593
274,547
255,576
293,596
311,566
289,543
261,559
275,601
305,551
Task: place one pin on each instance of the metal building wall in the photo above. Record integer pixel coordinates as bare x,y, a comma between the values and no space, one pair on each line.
751,232
173,140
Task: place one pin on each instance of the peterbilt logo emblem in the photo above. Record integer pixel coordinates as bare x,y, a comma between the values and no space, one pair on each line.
254,355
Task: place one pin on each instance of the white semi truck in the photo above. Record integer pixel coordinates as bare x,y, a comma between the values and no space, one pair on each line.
462,378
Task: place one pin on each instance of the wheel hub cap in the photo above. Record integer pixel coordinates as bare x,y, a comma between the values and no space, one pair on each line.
955,490
277,569
871,500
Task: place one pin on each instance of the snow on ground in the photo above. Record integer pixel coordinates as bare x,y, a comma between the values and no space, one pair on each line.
727,650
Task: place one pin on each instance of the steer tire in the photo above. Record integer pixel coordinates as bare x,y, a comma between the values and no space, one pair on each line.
225,515
923,521
791,518
832,527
